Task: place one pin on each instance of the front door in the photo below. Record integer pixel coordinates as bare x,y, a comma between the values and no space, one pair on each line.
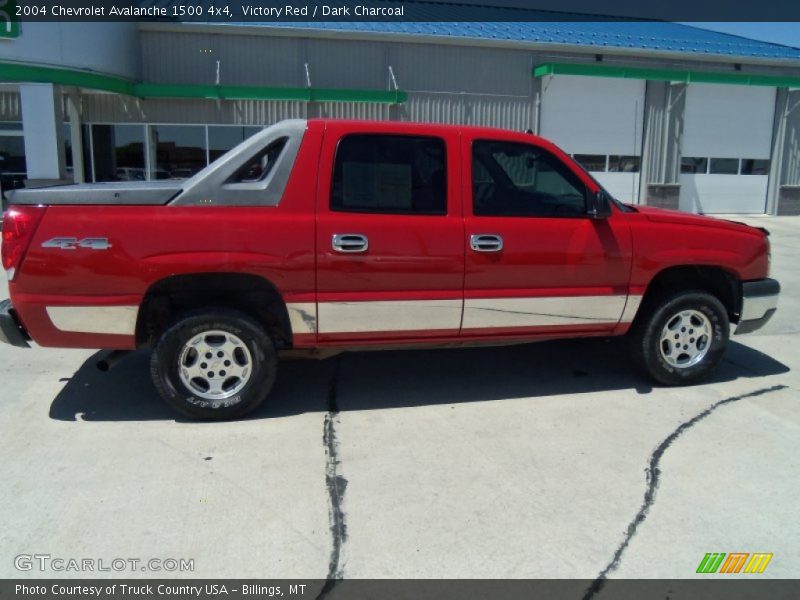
536,264
390,258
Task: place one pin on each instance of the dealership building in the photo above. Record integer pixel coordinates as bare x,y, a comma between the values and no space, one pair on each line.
661,113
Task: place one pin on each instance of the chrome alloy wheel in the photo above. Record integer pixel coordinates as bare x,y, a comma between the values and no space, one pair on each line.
215,365
685,339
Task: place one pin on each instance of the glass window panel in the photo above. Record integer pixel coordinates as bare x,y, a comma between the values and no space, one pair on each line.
755,166
518,180
623,164
694,164
258,167
223,138
724,166
390,174
12,163
180,150
592,162
12,155
119,152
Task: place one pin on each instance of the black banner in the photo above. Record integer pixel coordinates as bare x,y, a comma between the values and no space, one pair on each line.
712,588
290,11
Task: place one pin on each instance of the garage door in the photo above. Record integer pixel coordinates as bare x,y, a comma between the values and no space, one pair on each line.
727,136
599,121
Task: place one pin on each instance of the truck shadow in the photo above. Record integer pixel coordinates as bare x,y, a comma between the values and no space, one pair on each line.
395,379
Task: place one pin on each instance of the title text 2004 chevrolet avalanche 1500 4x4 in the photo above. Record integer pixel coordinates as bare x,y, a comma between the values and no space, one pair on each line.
327,235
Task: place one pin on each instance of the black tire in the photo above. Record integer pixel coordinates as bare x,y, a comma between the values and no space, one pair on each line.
165,366
645,336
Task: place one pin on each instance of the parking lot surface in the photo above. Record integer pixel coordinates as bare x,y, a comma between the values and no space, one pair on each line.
535,461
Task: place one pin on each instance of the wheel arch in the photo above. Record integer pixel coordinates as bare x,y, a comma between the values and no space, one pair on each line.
716,280
251,294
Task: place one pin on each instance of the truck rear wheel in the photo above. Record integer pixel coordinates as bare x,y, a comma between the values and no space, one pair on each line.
681,337
216,364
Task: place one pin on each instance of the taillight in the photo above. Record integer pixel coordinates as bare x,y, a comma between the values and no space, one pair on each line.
19,225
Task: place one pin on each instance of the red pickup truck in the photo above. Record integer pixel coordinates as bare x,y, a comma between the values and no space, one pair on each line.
320,236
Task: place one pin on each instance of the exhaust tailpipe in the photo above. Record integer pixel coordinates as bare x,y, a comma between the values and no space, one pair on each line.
111,359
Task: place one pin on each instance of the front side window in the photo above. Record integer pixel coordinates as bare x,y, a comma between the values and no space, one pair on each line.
393,174
518,180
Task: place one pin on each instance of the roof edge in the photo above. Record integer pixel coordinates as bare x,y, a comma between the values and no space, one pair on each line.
416,38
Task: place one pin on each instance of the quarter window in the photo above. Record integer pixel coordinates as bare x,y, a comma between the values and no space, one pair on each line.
392,174
511,179
258,167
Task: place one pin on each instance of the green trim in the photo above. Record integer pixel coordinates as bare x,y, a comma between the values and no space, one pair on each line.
677,75
95,81
118,85
226,92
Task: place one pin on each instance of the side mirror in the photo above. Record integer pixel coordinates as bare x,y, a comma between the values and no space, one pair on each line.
599,206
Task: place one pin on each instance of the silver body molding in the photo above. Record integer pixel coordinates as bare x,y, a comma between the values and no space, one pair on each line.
209,187
110,320
389,315
392,315
542,312
302,317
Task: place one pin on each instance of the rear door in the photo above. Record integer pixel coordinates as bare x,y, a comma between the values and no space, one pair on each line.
390,254
535,262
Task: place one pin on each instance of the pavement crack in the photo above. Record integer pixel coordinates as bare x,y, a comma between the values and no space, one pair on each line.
654,478
335,483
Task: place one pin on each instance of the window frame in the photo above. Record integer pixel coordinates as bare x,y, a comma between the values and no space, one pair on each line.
367,211
542,150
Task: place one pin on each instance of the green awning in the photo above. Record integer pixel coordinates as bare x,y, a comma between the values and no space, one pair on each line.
676,75
109,83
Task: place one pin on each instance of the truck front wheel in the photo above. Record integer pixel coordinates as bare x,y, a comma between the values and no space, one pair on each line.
215,364
680,337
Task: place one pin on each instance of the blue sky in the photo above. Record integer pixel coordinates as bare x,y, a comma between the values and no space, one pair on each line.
780,33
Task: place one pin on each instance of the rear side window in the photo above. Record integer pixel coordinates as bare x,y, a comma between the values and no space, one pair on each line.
394,174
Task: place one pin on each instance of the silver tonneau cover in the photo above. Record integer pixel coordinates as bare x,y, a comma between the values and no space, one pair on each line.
140,193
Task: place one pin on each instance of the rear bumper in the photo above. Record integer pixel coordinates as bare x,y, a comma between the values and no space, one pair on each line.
759,302
11,330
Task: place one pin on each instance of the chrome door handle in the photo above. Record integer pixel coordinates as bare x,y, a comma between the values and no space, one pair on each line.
486,242
350,242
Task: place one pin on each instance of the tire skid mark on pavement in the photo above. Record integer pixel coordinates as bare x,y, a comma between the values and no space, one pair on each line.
335,483
654,477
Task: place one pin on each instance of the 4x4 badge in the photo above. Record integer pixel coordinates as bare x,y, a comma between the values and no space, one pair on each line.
71,243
